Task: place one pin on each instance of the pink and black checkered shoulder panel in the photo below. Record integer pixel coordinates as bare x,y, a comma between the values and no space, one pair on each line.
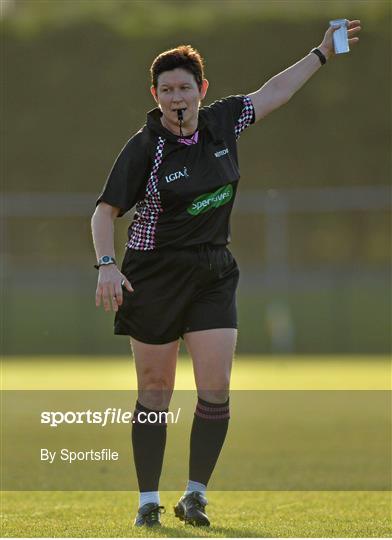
246,117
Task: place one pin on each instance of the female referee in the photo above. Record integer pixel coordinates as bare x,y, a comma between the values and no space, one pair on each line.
178,279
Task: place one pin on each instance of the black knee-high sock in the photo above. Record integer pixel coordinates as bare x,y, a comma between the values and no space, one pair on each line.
148,441
208,434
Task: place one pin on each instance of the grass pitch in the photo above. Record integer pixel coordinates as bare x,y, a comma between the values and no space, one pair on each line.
233,514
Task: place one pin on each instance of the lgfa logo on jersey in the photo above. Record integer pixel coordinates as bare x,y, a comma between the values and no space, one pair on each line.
176,175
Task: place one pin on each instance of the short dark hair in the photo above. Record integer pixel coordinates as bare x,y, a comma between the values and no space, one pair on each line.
184,57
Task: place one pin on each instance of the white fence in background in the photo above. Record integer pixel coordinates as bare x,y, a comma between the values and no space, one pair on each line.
274,204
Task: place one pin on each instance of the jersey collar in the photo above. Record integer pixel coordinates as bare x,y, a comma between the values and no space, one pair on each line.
155,125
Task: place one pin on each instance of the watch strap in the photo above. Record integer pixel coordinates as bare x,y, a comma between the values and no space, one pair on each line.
320,55
105,261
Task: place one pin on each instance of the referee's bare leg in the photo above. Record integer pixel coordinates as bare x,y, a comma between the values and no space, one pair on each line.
212,354
155,369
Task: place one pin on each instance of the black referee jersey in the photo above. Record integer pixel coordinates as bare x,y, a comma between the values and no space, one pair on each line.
183,193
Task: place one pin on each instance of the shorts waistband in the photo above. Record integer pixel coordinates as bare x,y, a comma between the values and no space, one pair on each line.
195,247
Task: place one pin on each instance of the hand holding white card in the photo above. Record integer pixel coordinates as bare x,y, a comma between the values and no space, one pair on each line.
341,35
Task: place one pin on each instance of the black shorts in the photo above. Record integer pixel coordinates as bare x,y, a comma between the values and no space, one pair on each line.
177,291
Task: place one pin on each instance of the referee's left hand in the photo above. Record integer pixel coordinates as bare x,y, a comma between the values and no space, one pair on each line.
353,28
109,287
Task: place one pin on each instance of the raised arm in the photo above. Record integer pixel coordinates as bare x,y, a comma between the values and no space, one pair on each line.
281,88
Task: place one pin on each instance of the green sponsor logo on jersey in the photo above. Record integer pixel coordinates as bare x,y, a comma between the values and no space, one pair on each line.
211,200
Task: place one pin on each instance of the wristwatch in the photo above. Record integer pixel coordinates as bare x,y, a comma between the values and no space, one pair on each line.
104,261
320,55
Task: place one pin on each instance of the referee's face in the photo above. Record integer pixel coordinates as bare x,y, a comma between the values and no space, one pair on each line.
177,89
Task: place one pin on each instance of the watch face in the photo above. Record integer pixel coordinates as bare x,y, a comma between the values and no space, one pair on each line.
105,259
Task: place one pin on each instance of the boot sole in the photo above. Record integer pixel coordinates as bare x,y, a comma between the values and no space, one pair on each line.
147,525
190,521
